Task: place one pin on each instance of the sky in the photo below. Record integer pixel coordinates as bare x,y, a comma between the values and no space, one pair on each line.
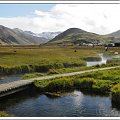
96,18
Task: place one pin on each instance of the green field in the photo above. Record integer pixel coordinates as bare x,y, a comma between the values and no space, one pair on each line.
22,59
29,59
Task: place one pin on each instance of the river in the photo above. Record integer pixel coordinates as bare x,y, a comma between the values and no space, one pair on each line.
10,78
104,58
72,104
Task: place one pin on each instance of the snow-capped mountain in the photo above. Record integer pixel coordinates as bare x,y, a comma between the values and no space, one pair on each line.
18,36
49,35
46,35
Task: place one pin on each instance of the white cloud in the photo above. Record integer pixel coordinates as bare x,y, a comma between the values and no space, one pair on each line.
98,18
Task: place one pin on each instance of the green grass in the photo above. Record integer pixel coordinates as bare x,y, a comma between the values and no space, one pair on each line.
84,83
68,70
4,114
114,60
41,56
100,82
58,84
116,94
41,59
102,86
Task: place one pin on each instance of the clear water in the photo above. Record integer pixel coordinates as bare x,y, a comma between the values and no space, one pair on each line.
104,58
73,104
10,78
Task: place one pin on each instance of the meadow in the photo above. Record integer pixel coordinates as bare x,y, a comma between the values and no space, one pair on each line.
41,59
25,59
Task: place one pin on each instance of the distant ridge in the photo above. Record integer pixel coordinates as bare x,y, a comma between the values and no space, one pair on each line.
115,34
17,36
79,36
70,36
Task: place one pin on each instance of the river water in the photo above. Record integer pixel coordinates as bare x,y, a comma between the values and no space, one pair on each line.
10,78
104,58
72,104
30,103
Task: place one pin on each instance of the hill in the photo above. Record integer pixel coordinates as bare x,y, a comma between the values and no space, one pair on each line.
79,36
115,34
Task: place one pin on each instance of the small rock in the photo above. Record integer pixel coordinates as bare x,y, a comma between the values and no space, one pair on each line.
116,53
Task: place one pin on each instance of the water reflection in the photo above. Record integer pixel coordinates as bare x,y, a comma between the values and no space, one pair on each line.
74,103
104,58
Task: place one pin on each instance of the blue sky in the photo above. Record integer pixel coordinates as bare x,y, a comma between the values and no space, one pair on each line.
13,10
97,18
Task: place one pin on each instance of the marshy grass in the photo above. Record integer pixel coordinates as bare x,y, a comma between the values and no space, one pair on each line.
68,70
19,59
33,75
99,82
114,60
4,114
116,94
41,59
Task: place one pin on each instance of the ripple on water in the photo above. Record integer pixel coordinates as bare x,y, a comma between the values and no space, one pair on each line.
28,104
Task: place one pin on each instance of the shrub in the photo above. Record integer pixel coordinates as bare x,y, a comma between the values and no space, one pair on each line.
116,94
53,71
102,86
84,83
41,84
32,75
60,84
57,84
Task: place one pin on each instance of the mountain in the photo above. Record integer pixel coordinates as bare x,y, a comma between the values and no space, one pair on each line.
17,36
115,34
30,36
79,36
31,33
49,35
70,36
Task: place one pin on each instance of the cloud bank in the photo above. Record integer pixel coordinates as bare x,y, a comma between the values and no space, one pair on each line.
97,18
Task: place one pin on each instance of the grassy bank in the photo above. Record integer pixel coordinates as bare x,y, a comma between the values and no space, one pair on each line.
4,114
116,94
105,82
67,70
114,60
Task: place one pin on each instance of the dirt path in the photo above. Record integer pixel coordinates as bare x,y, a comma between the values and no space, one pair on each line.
71,74
16,84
